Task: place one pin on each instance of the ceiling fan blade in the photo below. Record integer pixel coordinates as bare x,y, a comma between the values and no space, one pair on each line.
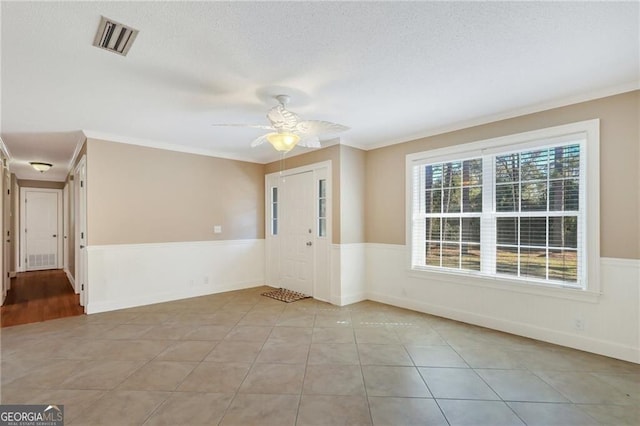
310,142
317,127
289,124
259,141
250,126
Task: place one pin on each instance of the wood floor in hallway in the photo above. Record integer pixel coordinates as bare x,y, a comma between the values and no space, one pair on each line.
39,296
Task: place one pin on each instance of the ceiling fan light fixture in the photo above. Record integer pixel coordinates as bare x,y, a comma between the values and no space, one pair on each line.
284,141
40,166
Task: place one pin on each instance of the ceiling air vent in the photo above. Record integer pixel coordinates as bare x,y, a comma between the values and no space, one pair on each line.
114,37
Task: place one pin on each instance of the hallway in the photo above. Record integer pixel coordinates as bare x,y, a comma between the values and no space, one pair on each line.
39,296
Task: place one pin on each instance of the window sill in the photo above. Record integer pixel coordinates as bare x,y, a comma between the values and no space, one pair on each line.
505,284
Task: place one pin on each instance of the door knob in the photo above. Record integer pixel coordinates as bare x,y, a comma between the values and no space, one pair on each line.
81,247
309,243
54,235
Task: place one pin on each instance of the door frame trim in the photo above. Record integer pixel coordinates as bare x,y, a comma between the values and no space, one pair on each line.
322,245
80,200
7,232
65,227
23,221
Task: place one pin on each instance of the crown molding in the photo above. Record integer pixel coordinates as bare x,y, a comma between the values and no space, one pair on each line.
91,134
5,151
557,103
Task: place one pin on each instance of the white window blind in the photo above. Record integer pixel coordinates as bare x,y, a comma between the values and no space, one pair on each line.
448,212
513,211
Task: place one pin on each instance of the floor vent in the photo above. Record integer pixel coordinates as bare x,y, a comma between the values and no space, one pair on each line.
114,37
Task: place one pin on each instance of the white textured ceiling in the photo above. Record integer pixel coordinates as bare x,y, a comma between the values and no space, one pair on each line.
391,71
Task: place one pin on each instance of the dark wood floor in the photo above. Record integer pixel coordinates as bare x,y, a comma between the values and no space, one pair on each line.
39,296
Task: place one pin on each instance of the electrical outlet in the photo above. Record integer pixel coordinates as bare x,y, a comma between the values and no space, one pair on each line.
578,324
217,229
205,280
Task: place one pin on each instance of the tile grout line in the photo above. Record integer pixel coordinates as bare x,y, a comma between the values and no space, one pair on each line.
364,382
306,365
427,385
237,391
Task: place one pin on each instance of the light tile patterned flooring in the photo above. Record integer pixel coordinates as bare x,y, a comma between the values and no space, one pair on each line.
239,358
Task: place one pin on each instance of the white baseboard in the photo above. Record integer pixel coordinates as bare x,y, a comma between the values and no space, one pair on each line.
94,308
350,299
610,322
125,276
586,343
71,280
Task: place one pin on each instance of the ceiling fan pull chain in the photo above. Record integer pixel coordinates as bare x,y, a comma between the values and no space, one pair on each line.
284,154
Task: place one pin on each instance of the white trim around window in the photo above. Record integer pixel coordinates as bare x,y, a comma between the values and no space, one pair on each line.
586,286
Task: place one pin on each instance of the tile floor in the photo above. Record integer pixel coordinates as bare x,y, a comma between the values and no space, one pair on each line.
239,358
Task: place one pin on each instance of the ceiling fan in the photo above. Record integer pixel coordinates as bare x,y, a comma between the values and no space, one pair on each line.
288,130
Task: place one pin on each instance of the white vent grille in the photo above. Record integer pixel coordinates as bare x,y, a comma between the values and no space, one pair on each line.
114,37
42,260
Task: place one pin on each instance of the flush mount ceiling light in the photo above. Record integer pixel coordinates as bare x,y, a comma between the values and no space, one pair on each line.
114,37
39,166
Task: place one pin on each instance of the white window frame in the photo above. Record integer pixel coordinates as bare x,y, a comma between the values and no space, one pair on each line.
590,199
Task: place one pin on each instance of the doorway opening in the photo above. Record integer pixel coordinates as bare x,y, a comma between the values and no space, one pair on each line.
298,229
41,219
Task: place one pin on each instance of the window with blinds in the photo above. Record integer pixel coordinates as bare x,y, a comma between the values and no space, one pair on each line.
537,200
508,211
449,211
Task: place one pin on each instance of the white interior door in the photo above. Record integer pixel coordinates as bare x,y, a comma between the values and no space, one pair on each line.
80,200
41,229
6,236
65,227
15,231
3,249
296,232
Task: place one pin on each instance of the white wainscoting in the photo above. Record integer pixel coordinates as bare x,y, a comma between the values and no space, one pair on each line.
124,276
348,264
611,322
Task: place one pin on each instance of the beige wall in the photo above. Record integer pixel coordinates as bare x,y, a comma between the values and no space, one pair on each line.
352,194
332,154
145,195
619,170
26,183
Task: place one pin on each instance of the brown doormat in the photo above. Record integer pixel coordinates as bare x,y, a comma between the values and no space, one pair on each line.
285,295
